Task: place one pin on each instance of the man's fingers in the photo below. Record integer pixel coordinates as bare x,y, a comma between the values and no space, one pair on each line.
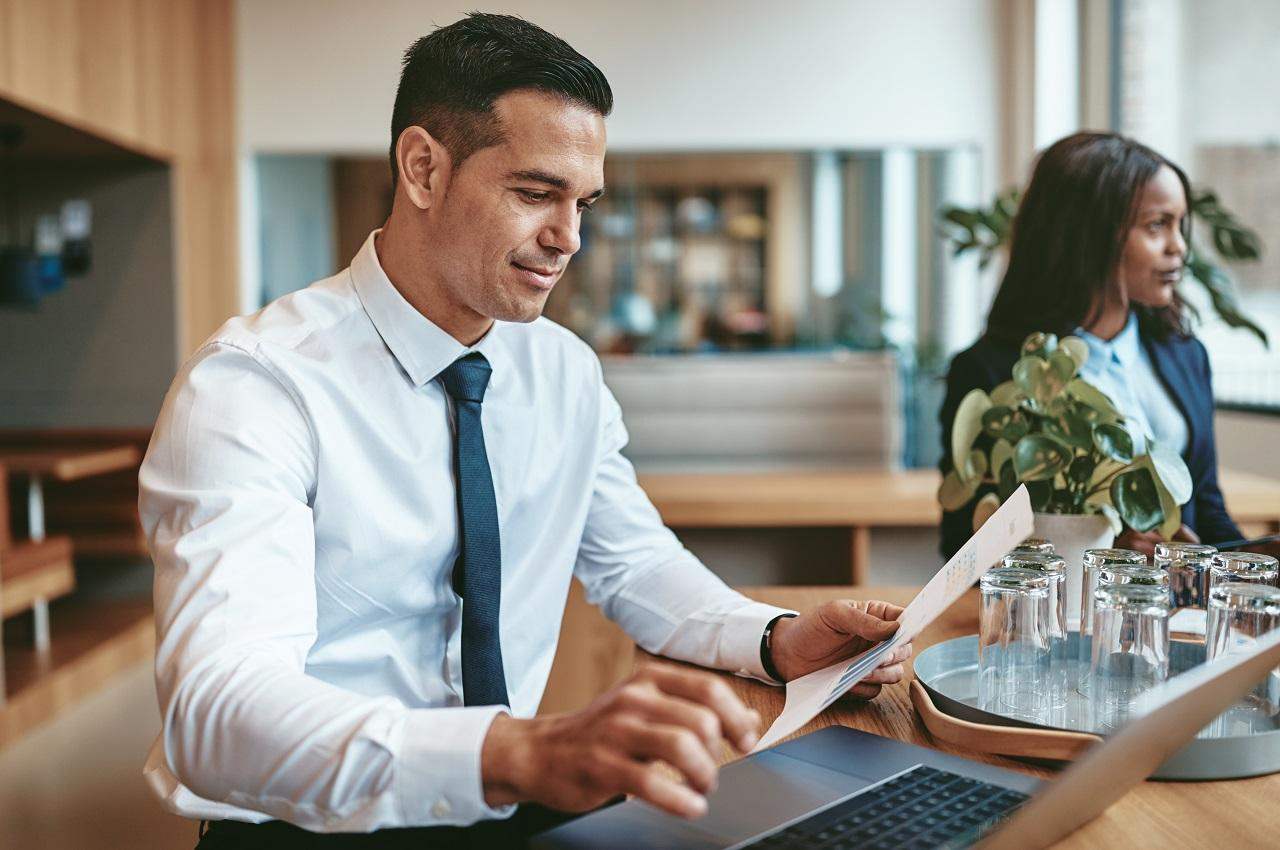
885,610
852,620
659,707
741,725
865,690
677,746
899,655
649,783
886,675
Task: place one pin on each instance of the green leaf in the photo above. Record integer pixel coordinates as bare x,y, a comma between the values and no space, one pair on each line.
1064,365
954,492
1041,494
1113,517
1172,472
1001,451
1017,428
1221,294
1076,349
1137,499
1081,469
1039,344
1114,442
982,511
976,467
1090,396
996,419
1038,379
1172,512
1006,394
1038,457
1071,428
968,425
1007,481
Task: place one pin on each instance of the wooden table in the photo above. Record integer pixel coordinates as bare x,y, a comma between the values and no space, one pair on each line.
57,464
861,500
1236,814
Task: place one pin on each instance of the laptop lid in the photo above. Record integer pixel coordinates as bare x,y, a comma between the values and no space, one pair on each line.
1169,717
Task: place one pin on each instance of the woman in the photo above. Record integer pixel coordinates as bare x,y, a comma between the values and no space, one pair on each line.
1099,242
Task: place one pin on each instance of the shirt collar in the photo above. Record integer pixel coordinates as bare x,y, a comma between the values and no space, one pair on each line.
1124,348
422,347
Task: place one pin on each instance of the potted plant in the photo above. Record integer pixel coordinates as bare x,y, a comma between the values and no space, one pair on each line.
1062,437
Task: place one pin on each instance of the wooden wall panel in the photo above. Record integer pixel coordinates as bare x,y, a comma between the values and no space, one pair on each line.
208,264
108,38
41,44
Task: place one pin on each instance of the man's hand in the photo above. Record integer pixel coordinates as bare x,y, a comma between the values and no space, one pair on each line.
574,762
835,631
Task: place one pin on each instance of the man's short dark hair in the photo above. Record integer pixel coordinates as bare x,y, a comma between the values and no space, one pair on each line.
451,78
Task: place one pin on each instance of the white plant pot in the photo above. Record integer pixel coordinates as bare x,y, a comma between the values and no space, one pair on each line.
1070,535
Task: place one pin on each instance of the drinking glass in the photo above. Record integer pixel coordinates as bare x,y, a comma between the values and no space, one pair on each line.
1239,614
1014,651
1130,648
1094,560
1188,567
1054,569
1037,545
1242,568
1132,574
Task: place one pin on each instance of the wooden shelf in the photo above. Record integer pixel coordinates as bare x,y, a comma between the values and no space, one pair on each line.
94,638
60,139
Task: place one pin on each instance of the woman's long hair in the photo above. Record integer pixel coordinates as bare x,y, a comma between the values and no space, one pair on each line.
1069,235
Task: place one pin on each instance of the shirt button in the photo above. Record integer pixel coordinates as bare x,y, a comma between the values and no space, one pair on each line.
441,809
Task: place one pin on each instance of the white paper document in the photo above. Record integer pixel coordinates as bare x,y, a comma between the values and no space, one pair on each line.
809,695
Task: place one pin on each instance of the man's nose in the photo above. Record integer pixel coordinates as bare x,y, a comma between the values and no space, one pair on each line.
561,234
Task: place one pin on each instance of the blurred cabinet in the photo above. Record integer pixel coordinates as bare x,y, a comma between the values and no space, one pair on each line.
156,77
690,251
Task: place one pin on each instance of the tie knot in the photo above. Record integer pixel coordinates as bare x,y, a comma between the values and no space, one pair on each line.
467,377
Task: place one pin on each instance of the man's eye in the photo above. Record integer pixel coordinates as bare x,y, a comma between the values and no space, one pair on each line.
533,197
585,207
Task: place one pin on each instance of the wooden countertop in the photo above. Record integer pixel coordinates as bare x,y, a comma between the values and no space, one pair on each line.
861,498
1236,813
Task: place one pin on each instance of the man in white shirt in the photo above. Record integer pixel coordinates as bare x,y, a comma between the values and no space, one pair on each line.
366,501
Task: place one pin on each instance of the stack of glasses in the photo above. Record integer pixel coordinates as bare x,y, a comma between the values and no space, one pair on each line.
1028,668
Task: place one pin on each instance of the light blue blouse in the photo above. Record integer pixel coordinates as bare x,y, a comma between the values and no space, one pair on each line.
1122,369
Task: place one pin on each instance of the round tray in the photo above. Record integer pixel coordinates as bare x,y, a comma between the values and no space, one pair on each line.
1243,742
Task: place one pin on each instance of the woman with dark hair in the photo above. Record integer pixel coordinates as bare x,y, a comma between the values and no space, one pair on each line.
1098,245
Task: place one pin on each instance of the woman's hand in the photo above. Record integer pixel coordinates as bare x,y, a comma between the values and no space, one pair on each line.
1145,541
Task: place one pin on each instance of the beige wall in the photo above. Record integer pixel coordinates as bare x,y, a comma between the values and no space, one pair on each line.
1249,442
713,74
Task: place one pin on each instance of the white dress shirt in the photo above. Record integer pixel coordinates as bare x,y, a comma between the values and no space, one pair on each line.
1122,369
298,497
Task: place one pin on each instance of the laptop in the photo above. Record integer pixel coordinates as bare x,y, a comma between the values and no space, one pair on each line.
842,788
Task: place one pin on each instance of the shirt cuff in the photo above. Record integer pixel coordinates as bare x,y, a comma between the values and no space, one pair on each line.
438,775
740,640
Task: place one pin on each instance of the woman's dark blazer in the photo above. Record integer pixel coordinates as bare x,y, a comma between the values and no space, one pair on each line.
1182,364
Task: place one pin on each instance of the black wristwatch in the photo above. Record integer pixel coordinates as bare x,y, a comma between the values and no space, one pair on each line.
766,649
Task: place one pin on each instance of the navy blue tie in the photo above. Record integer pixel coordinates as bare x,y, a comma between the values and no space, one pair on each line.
477,575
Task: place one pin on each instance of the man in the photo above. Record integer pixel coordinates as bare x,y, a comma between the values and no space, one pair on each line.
365,504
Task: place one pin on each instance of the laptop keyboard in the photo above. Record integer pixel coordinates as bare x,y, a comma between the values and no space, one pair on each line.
921,808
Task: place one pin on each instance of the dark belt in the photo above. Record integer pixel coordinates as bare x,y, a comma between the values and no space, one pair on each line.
513,832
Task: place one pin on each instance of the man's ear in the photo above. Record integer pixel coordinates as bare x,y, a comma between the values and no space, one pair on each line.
424,167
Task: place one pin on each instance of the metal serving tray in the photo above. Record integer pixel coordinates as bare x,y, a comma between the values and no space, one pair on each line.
1244,741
